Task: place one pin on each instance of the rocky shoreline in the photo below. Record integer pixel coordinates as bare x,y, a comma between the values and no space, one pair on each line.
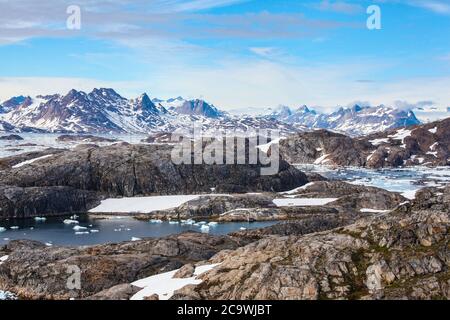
401,254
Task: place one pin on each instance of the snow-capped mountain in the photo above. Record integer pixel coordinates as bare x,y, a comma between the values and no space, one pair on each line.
356,120
105,111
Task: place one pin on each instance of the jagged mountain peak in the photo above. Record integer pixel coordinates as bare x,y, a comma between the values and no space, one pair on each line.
198,107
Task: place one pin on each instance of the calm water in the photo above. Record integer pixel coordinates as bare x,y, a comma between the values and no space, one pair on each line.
54,231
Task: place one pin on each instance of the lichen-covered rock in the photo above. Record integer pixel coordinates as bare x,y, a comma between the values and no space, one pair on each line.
399,255
35,271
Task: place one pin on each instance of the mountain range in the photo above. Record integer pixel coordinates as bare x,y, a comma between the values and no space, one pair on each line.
105,111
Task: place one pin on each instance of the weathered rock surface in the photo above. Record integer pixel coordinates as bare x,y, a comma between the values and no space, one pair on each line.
11,137
427,144
401,255
88,138
260,207
130,170
38,272
17,202
9,162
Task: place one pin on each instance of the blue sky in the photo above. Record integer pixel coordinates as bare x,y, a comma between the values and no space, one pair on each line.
236,54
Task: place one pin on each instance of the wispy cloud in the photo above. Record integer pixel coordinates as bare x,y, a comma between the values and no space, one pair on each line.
339,7
441,7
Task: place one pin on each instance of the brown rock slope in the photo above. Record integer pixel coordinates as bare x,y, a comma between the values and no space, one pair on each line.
427,144
402,254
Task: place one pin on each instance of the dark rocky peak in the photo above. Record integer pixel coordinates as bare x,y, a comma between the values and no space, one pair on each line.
145,104
198,107
73,96
106,94
179,98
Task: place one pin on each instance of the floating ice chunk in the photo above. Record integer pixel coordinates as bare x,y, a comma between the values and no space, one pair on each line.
155,221
95,231
2,229
213,224
173,222
78,228
202,222
69,221
40,219
79,233
204,228
14,228
74,217
135,239
49,244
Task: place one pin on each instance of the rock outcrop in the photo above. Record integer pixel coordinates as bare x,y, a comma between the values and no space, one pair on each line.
427,144
18,202
403,254
129,170
35,271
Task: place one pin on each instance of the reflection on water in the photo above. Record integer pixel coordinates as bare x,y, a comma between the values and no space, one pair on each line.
54,231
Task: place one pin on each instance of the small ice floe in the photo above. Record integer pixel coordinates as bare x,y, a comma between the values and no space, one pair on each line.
79,233
14,228
41,219
70,221
95,231
164,285
202,222
155,221
74,217
31,228
118,230
5,239
242,228
213,224
79,228
204,229
2,229
173,222
367,210
188,222
135,239
49,244
303,202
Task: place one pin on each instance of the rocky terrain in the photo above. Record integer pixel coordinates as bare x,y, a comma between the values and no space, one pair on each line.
427,144
123,170
350,200
403,254
35,271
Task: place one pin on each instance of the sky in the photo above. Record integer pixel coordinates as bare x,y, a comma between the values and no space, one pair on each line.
236,54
